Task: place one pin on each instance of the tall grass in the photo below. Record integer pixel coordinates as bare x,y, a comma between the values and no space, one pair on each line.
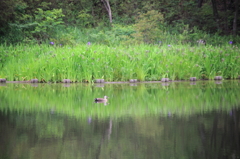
118,63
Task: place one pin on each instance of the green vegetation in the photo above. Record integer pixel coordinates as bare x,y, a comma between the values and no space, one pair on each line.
71,21
82,41
84,63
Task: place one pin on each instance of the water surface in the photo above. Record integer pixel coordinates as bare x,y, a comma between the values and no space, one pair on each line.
148,120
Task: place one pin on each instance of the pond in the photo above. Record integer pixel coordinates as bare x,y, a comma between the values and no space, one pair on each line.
139,121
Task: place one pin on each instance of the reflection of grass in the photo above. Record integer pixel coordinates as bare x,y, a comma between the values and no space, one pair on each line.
77,100
85,63
52,127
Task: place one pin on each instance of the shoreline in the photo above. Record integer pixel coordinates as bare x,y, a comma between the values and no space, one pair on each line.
123,82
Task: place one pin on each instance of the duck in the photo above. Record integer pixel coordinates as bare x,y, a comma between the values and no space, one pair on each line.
104,99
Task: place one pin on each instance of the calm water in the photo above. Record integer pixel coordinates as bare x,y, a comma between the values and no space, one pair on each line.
180,120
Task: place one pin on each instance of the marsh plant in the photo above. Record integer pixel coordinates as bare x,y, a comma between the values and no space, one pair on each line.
83,63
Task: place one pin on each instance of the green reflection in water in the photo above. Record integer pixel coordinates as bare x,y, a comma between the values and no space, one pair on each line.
77,100
212,135
179,120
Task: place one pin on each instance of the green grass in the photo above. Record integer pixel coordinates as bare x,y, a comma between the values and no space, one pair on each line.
84,62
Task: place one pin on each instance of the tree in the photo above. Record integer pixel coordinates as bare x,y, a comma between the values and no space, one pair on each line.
108,8
225,17
215,12
235,18
200,3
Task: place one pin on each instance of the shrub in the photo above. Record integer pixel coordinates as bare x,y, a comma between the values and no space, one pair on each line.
46,22
147,27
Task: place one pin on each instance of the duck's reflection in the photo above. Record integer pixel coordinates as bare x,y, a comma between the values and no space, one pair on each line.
104,102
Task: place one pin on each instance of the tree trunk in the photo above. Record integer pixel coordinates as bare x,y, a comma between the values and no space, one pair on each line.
215,13
108,8
200,3
226,30
235,18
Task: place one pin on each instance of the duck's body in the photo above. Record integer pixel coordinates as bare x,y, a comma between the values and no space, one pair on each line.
101,99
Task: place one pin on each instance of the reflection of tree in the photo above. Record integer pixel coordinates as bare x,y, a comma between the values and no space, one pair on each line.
221,139
209,135
148,127
48,127
202,134
230,143
105,135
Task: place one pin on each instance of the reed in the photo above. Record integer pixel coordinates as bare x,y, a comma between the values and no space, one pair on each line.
86,62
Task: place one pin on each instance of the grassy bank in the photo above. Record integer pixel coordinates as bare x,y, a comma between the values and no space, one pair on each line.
87,62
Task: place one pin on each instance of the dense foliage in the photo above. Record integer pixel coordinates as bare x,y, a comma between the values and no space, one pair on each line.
132,21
